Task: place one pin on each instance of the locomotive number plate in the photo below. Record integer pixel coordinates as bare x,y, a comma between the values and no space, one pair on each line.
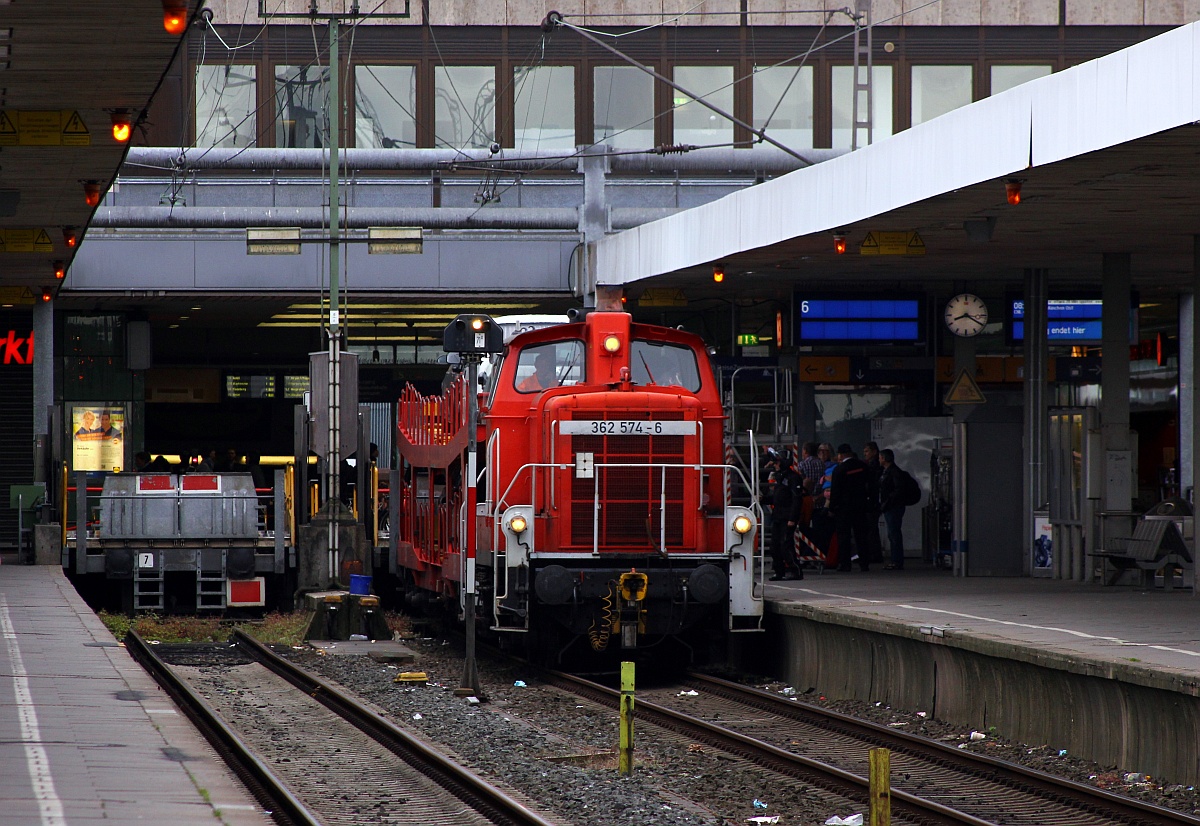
626,427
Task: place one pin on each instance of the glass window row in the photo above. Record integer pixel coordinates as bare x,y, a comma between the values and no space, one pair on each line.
465,102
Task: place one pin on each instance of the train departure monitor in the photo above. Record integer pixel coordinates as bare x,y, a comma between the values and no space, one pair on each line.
1068,321
842,319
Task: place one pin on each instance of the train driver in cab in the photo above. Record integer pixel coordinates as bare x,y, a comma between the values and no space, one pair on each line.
543,374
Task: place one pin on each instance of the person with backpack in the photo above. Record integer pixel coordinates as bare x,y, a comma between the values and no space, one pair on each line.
896,492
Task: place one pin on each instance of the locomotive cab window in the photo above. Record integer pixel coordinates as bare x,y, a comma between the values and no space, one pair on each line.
667,365
549,365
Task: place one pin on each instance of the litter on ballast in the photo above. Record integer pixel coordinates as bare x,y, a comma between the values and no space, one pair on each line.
689,694
519,684
763,819
418,717
852,820
758,804
978,735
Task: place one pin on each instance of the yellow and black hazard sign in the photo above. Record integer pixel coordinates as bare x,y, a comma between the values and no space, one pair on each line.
892,243
25,240
43,127
662,297
16,295
964,390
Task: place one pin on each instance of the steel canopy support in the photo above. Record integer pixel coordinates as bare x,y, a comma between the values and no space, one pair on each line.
1118,462
1036,370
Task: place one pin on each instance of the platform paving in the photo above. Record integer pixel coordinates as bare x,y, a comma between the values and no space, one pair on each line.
1148,636
86,736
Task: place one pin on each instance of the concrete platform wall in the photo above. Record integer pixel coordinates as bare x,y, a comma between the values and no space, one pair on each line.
1123,716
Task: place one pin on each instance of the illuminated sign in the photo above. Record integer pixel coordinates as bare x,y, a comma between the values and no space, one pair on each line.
838,319
294,387
249,387
1067,321
16,348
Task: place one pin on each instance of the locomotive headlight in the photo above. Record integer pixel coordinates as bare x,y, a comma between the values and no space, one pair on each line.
518,524
743,524
612,344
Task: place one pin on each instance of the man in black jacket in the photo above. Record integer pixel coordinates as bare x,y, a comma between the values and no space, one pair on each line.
893,511
849,502
786,494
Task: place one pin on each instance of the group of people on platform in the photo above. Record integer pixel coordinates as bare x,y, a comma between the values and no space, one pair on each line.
834,500
210,462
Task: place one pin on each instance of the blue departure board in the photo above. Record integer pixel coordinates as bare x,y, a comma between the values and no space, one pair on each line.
845,319
1067,321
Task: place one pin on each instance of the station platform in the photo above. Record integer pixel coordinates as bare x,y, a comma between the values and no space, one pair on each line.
86,736
1108,673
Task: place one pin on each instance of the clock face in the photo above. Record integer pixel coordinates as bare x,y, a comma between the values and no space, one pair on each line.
966,315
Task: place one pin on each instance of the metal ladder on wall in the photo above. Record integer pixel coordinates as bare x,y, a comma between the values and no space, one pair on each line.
210,585
148,587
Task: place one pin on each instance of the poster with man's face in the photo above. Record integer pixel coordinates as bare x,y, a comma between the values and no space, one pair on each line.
98,437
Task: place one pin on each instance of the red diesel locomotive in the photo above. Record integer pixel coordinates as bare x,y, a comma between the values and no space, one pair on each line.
603,523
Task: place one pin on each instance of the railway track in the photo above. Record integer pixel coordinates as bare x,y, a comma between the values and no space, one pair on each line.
312,755
931,782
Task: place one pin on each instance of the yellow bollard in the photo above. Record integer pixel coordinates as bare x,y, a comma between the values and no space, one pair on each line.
881,787
625,752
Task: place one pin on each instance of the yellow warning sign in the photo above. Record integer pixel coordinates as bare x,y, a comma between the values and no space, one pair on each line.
16,295
43,127
892,243
25,240
662,297
964,390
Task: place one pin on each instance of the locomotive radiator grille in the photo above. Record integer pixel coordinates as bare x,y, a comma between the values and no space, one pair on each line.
632,508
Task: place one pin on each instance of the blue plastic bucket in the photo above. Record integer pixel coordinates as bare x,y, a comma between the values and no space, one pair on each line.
360,584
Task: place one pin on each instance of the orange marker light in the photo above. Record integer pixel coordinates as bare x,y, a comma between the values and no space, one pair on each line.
122,126
92,193
718,273
175,14
47,295
60,270
70,237
839,244
1012,192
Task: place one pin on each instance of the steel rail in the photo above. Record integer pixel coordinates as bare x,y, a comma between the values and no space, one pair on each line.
490,801
262,783
911,807
924,748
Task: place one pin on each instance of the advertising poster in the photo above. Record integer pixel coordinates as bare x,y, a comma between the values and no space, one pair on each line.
98,438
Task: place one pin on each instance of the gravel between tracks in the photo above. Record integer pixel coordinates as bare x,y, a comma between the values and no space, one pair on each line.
546,746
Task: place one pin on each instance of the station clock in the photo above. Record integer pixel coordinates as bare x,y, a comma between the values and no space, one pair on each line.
966,315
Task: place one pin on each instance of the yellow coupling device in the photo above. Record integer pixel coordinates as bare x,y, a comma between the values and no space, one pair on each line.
633,586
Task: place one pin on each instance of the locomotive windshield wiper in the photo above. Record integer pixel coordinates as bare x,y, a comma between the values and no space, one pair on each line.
642,356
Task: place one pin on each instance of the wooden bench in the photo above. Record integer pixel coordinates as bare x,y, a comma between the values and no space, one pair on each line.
1157,543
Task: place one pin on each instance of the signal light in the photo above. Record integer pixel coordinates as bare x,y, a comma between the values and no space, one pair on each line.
92,193
175,14
718,273
1012,191
47,295
477,324
70,237
122,126
839,244
60,270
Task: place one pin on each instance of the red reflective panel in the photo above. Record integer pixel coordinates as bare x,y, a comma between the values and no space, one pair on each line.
201,481
156,481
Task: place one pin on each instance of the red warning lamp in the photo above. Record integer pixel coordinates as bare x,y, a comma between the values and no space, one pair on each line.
47,295
1012,191
839,244
60,270
92,193
70,237
718,273
175,14
122,126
